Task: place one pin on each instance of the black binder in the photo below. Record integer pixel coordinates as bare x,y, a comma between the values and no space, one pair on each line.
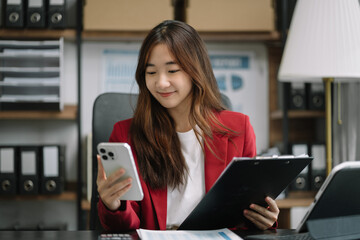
8,171
52,169
2,3
318,166
315,93
36,11
57,14
303,181
28,170
14,14
298,96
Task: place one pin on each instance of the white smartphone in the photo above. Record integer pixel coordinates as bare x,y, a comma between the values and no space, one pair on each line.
118,155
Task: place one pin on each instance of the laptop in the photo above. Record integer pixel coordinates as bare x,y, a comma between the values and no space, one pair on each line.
244,181
335,211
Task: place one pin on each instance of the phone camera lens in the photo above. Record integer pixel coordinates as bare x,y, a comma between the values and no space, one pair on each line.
111,154
102,150
104,157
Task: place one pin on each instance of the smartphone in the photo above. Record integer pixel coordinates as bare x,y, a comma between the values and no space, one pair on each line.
118,155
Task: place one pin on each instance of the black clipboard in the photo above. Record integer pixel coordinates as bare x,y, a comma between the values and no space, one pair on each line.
244,181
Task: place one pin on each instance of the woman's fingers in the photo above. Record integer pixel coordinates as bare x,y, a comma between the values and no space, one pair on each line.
253,217
111,196
110,188
101,172
272,205
263,218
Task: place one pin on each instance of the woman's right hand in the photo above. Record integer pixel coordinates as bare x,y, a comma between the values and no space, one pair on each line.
109,188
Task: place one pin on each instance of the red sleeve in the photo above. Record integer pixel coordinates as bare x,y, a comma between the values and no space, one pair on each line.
126,217
250,140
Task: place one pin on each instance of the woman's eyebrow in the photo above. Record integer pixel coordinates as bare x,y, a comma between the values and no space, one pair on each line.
167,63
170,63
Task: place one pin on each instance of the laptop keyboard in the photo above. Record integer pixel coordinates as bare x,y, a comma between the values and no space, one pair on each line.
114,236
297,236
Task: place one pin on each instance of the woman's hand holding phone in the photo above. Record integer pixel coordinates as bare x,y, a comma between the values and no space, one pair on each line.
109,188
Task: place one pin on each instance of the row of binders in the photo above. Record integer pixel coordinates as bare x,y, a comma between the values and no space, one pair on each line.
309,96
33,13
31,170
314,175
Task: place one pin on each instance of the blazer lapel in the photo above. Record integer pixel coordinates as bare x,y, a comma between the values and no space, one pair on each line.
214,165
159,200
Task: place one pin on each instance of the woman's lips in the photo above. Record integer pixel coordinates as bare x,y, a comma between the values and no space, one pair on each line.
167,94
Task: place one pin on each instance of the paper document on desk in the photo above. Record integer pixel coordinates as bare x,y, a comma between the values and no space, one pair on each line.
219,234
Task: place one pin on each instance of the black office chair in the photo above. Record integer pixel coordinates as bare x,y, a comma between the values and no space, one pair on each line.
108,109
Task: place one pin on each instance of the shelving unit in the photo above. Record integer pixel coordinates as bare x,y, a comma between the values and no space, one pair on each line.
68,113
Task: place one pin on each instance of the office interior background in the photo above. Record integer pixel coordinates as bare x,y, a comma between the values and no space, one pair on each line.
92,49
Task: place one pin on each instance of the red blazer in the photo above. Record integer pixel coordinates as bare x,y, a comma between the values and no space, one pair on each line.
150,213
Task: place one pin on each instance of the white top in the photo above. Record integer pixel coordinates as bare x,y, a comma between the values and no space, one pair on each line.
181,201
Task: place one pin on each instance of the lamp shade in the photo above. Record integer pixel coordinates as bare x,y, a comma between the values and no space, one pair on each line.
323,42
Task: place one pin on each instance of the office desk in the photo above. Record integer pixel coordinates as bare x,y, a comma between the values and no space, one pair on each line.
88,235
49,235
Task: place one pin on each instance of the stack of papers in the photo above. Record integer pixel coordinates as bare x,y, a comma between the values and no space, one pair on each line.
219,234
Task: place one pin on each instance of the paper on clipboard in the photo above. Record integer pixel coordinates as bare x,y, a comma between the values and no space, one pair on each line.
219,234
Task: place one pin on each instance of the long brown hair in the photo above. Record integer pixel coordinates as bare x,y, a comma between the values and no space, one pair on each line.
152,131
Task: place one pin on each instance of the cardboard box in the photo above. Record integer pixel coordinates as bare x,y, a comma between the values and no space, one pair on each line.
231,15
126,15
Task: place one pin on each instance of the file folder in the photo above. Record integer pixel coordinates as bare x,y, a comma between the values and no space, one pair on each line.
318,151
14,14
297,96
8,170
316,96
56,14
36,14
302,181
28,172
2,13
52,170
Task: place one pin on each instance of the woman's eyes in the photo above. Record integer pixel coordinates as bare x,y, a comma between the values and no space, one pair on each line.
170,71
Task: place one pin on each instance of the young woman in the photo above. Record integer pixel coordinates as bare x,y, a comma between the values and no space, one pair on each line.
181,136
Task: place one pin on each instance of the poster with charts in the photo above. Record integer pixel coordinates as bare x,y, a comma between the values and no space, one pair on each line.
118,70
235,75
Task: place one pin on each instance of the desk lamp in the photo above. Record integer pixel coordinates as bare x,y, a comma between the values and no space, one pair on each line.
323,44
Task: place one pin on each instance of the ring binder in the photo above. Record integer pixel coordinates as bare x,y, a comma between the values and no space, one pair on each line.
56,14
36,14
28,174
8,170
51,174
14,17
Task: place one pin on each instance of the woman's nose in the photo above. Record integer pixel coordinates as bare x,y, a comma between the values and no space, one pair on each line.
163,81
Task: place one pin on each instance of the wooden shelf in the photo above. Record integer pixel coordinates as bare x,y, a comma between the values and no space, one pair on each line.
207,36
240,36
85,205
65,196
114,35
294,202
278,114
69,113
37,33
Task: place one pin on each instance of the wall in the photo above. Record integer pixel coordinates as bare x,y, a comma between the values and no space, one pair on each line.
92,83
